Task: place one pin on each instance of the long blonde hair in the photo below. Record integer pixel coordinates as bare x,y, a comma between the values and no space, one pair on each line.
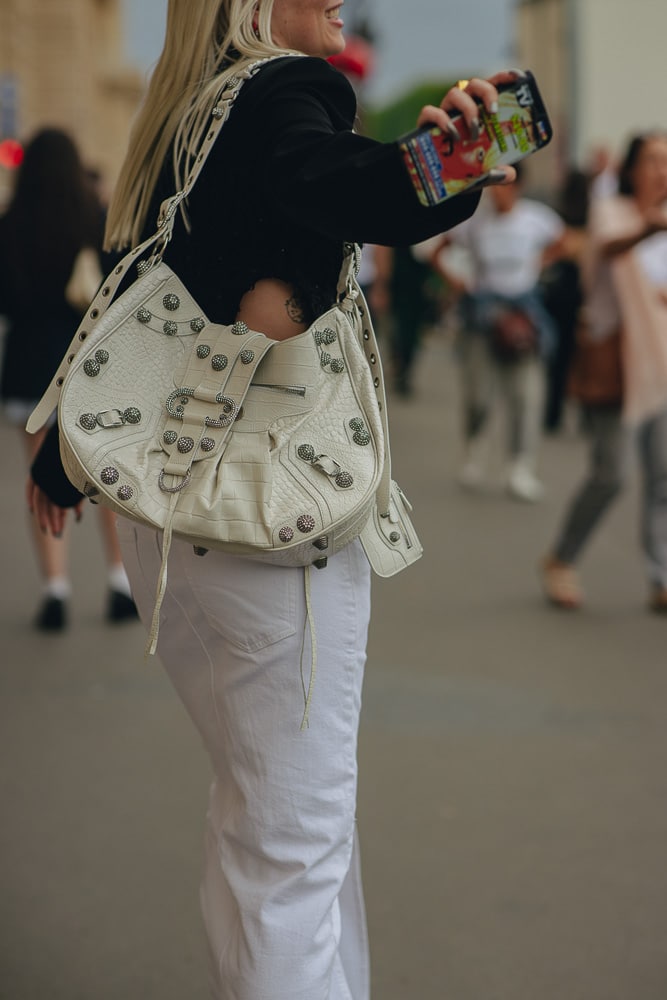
205,42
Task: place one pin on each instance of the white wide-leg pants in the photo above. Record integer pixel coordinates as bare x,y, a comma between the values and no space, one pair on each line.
281,891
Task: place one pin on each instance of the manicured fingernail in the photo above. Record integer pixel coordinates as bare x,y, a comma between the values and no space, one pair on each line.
57,534
453,131
474,129
496,176
518,72
493,108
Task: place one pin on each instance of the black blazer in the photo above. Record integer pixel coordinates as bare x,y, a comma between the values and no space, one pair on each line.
287,182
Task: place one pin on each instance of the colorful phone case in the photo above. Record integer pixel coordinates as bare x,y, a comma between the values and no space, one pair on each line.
440,167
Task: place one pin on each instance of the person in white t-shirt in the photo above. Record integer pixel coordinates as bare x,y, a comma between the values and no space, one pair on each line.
508,241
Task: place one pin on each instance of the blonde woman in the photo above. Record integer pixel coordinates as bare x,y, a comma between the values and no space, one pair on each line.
286,183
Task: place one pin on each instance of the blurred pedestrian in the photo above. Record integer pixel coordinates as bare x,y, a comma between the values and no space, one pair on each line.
50,236
408,308
621,373
562,292
506,332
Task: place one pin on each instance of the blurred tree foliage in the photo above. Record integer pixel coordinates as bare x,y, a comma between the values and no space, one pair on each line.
393,120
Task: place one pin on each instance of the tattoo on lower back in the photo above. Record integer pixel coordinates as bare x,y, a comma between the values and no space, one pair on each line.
294,309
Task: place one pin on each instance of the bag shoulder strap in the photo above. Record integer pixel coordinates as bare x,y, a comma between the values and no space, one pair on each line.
351,300
158,241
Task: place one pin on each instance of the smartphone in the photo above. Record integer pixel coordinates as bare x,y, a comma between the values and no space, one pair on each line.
440,166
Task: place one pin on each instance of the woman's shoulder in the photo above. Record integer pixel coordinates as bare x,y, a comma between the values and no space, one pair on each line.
302,76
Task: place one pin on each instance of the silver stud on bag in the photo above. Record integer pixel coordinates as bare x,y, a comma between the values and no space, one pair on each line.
203,351
318,336
219,362
325,359
185,444
394,537
305,523
344,480
88,421
125,493
169,437
109,476
170,328
171,302
247,357
361,438
218,113
132,415
306,452
144,315
92,368
239,329
337,366
356,424
101,357
328,335
143,267
286,534
207,444
321,543
197,324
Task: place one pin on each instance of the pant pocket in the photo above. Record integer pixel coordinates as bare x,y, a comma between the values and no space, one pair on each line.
250,604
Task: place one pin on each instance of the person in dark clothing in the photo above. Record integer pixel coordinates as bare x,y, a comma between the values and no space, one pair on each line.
562,293
52,227
261,240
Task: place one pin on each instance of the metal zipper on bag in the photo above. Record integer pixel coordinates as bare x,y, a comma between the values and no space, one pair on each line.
292,390
398,517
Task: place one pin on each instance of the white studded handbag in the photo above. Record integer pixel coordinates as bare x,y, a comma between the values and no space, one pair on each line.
276,450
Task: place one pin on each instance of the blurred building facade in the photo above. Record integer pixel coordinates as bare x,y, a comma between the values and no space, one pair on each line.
62,64
600,67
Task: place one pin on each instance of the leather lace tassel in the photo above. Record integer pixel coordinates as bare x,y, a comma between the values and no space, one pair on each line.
162,580
308,694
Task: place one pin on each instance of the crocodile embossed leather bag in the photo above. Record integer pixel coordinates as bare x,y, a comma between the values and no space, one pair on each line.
219,435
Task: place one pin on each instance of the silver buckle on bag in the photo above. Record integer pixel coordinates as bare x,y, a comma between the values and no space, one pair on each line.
110,418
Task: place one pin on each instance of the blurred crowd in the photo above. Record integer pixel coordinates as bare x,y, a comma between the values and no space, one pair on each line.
553,309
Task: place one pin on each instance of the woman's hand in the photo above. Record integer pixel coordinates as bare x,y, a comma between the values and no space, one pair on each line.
49,516
465,101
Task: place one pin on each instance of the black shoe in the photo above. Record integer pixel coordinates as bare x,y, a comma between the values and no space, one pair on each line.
52,615
121,608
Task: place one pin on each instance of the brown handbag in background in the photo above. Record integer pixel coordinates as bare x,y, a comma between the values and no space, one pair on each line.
596,377
513,335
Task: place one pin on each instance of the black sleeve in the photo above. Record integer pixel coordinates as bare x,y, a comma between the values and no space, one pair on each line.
47,471
319,171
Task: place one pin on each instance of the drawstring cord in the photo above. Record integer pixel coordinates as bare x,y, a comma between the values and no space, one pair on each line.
309,622
162,580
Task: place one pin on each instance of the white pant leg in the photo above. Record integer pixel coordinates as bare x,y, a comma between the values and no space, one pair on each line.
281,895
524,388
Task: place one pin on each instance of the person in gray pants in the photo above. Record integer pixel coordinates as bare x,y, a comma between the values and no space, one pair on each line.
638,252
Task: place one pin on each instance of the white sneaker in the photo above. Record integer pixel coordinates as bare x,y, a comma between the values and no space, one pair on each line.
523,484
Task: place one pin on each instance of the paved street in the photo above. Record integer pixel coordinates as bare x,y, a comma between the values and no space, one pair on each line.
513,789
